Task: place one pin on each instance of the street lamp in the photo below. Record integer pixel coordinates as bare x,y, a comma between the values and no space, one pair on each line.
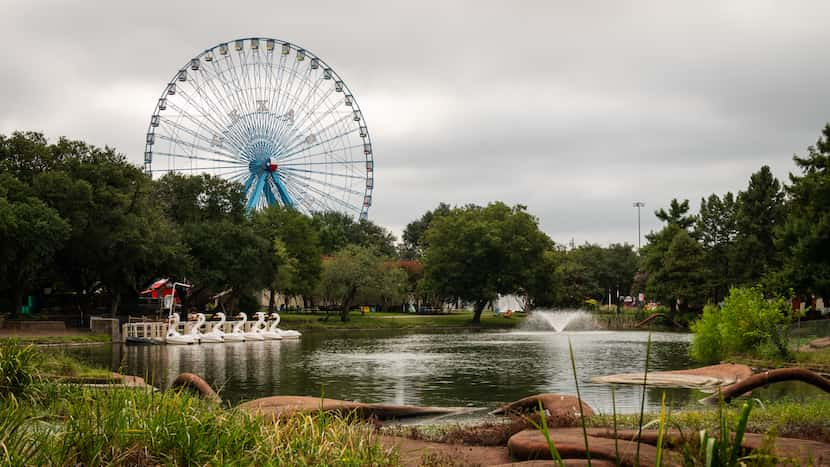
638,205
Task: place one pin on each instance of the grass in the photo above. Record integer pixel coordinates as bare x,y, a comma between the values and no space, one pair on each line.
45,423
80,338
381,320
806,420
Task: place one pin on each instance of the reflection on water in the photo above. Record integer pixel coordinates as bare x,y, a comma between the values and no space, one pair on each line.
481,369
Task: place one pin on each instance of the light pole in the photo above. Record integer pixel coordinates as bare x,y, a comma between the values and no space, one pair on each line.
638,205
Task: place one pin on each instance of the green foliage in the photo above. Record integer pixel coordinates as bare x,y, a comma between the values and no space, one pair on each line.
475,253
413,235
716,228
706,345
336,230
591,271
297,256
746,321
760,211
18,369
30,234
351,276
130,427
805,237
674,262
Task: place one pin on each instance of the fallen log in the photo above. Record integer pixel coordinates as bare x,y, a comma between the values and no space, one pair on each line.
769,377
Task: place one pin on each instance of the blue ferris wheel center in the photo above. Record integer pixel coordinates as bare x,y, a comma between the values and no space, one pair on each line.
271,116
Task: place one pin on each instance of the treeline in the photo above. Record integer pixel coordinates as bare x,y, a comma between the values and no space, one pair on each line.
81,219
771,235
84,222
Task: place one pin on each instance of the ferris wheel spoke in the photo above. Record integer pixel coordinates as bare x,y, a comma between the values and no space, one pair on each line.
328,174
200,158
336,162
219,127
198,136
326,184
285,156
196,146
313,123
193,169
328,196
301,156
207,113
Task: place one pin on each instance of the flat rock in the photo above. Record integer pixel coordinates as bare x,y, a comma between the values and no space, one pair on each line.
820,343
277,406
531,445
707,377
558,406
417,453
804,452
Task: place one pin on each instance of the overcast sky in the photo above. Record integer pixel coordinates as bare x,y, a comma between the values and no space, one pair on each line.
575,109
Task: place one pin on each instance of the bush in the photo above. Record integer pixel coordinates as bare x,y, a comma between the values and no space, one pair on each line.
745,323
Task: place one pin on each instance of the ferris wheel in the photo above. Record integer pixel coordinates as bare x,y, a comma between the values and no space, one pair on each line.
272,116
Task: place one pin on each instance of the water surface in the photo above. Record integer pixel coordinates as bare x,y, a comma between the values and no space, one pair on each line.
457,369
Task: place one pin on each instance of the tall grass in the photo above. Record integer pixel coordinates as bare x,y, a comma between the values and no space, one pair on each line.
46,423
134,427
18,368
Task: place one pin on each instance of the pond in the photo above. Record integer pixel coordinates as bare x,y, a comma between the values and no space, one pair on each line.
452,369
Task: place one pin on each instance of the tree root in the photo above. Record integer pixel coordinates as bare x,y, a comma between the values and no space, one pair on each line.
769,377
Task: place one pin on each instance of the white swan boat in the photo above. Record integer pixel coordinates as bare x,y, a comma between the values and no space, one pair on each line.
284,333
236,334
174,337
267,331
255,334
215,335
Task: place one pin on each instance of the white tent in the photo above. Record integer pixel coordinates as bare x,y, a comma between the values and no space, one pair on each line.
509,302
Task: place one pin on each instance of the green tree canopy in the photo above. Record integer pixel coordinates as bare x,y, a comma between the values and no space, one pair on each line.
336,230
351,274
301,243
475,253
805,236
412,246
760,211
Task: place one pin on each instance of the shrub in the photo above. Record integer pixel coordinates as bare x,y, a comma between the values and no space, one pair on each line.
746,322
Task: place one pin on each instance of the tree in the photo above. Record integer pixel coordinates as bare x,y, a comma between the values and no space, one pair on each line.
475,253
116,240
677,214
760,211
293,232
229,255
664,267
350,273
30,233
682,277
336,230
716,228
805,236
412,246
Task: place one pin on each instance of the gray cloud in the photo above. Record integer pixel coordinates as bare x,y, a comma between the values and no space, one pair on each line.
573,110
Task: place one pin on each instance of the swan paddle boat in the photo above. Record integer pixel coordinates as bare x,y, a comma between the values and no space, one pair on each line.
255,334
236,334
284,333
267,331
174,337
215,335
